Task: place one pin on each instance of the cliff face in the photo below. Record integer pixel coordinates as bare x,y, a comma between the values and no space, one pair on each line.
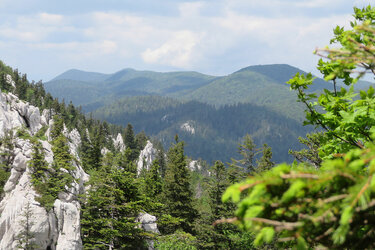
60,227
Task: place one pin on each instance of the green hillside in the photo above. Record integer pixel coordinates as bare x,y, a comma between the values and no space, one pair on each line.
249,87
221,109
217,130
261,85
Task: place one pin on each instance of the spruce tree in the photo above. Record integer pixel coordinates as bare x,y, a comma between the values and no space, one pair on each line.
129,138
248,151
109,209
265,162
25,237
153,182
177,190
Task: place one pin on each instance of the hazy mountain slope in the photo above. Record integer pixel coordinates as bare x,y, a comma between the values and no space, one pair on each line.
210,133
124,83
78,92
281,73
247,86
79,75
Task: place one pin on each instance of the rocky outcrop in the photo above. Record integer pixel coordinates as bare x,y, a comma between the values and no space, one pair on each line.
194,166
58,228
119,143
188,127
146,157
148,223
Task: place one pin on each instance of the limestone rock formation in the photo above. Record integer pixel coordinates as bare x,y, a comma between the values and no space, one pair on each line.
146,157
188,127
194,166
58,228
119,143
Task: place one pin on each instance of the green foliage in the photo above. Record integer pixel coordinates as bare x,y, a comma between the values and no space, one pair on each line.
311,153
49,181
109,209
23,133
41,133
177,190
265,161
321,206
6,158
218,130
153,182
177,241
26,237
331,206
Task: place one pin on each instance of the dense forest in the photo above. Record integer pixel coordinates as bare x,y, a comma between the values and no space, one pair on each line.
217,131
222,110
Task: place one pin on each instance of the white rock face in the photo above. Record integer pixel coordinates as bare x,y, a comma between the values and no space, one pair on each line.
10,81
119,143
74,140
194,166
58,228
146,157
188,127
148,222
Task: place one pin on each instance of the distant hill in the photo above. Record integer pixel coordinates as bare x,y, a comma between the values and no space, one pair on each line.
222,109
260,85
210,133
79,75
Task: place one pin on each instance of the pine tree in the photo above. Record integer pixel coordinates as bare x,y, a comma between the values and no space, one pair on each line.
153,181
177,190
265,163
109,209
248,152
6,158
129,138
25,236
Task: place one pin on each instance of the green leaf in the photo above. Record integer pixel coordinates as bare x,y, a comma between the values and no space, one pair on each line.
293,190
346,215
301,243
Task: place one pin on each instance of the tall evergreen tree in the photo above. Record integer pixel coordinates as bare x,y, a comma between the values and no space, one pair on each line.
109,209
26,237
129,138
177,190
265,162
248,151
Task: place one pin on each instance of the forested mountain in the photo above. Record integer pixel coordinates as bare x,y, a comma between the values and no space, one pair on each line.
260,85
210,133
222,109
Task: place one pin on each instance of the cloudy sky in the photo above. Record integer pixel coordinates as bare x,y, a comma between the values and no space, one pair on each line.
44,38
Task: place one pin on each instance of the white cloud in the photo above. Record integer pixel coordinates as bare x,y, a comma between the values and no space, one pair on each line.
50,19
178,51
203,36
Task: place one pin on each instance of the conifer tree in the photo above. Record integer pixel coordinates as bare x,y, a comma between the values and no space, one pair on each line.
248,151
25,237
265,162
153,181
129,138
177,190
6,158
110,208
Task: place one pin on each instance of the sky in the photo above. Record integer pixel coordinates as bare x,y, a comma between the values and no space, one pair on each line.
44,38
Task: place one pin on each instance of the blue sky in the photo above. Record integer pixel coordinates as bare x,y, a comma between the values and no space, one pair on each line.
44,38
